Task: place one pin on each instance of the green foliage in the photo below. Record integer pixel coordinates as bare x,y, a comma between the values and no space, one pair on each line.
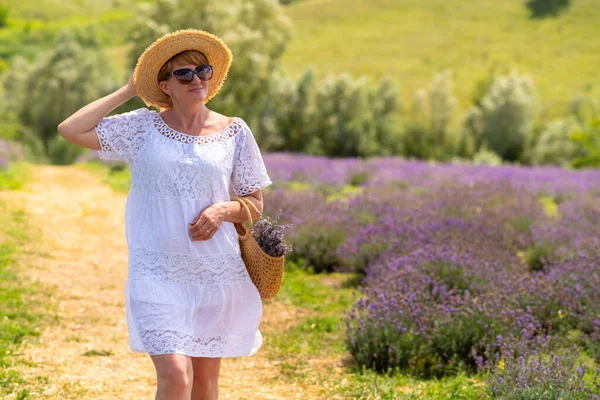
27,34
554,145
504,119
15,176
358,178
487,157
426,133
429,36
590,141
548,374
9,124
350,119
538,256
338,116
379,347
75,73
4,11
546,8
317,246
63,152
256,32
454,338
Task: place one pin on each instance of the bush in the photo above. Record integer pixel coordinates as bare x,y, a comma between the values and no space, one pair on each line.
504,119
589,140
351,119
487,157
57,84
318,246
63,152
546,8
555,146
426,135
543,373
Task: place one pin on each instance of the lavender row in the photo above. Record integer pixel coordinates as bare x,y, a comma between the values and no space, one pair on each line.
377,171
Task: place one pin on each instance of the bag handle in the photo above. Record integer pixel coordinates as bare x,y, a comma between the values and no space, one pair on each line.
245,202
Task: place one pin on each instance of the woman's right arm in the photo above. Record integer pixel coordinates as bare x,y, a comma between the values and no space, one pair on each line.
79,127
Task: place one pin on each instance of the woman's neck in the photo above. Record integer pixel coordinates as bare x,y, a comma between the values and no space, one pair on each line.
189,119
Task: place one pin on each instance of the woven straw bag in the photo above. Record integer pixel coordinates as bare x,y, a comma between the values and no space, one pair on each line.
265,270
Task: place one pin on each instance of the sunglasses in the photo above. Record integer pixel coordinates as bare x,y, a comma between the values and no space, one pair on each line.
186,75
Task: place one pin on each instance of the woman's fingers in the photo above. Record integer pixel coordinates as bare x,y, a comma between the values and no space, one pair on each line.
204,230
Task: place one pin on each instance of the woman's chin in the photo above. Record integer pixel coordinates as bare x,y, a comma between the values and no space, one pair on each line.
198,95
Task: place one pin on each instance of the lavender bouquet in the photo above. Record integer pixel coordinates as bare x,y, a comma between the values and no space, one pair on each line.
269,235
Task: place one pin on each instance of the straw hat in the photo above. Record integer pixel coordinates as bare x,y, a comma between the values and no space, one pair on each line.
145,75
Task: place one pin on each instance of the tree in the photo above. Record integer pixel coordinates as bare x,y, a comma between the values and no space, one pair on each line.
59,82
256,31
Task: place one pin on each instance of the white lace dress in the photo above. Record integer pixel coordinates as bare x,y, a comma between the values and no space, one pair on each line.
185,297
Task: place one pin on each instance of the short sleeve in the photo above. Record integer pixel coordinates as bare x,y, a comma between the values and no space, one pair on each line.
122,135
249,172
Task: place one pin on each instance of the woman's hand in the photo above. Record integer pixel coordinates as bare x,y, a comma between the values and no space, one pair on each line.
204,226
130,87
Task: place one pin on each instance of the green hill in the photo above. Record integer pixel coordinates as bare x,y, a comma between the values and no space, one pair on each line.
411,40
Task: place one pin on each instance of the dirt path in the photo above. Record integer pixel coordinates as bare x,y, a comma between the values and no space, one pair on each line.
80,222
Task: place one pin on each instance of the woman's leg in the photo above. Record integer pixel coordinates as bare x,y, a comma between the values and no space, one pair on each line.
206,378
174,375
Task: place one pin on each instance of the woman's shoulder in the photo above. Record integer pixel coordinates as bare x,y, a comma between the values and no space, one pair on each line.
136,114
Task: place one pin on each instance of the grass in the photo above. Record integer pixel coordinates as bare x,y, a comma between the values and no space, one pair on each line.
411,40
25,306
117,177
15,176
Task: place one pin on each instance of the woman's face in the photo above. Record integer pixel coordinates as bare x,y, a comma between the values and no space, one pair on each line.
193,92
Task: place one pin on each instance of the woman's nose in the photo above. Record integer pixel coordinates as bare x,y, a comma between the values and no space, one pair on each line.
196,79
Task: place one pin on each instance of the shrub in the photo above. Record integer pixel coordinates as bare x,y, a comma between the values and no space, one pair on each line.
426,134
546,8
318,245
504,119
542,373
589,139
555,146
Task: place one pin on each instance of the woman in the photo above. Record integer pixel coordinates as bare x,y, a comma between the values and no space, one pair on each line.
189,298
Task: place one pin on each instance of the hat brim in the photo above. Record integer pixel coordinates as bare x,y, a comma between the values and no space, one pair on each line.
145,75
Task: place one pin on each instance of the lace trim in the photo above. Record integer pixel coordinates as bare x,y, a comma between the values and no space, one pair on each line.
229,131
168,342
218,269
105,148
249,171
246,190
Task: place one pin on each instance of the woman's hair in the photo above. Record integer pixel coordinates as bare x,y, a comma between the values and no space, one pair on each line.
188,56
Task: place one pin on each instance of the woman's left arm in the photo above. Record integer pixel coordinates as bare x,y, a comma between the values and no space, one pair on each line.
204,226
236,214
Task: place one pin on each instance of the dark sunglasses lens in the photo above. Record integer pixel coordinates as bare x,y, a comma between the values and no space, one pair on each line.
184,75
205,72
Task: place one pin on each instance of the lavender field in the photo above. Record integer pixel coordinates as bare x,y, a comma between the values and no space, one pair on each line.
491,270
